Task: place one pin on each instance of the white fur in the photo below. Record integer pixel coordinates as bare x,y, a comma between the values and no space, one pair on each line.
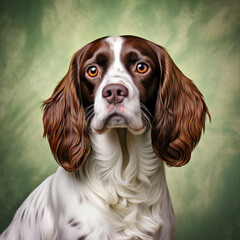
119,194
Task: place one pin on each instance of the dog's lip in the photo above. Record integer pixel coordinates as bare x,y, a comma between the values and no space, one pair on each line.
115,119
108,118
114,114
122,121
115,109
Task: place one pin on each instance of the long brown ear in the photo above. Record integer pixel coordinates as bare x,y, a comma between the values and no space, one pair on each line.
180,114
64,120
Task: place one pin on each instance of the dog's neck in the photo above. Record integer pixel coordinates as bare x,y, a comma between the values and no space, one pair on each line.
125,156
123,162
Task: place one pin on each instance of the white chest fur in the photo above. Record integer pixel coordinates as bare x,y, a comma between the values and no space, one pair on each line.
120,193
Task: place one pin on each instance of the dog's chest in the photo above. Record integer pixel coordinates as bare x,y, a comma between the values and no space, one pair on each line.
126,216
117,195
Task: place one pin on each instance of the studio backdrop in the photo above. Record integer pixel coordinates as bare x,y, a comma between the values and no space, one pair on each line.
37,41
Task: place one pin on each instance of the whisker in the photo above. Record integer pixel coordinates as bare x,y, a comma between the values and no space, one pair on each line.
90,115
145,110
89,111
89,107
146,120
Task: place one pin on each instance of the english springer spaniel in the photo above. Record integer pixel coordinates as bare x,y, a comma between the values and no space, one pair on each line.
120,112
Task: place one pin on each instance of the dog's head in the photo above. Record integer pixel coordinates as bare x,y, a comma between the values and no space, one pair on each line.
124,82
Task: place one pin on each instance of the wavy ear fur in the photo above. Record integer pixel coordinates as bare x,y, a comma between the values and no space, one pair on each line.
64,120
180,114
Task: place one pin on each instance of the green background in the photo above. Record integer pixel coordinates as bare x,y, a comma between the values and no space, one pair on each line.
38,39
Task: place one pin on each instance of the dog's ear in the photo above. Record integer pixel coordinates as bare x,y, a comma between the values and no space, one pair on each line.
180,113
64,120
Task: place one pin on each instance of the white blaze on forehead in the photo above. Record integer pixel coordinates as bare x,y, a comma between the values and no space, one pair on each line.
115,44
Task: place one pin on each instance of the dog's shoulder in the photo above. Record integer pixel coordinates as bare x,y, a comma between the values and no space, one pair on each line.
34,214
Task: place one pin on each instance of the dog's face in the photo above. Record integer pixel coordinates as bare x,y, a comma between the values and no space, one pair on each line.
117,79
125,82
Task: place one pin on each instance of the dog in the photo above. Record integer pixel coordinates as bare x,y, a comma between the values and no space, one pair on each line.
122,112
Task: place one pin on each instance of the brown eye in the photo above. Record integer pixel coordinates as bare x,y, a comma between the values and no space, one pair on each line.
92,71
142,67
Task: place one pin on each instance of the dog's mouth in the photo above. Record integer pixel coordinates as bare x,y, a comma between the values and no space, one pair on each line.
118,116
117,119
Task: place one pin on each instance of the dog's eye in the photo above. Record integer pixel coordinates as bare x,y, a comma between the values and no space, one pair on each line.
142,67
92,71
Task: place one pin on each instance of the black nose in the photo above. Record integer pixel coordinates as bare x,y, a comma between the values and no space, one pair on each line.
115,93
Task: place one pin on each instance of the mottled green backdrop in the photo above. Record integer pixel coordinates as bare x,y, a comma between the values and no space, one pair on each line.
37,40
